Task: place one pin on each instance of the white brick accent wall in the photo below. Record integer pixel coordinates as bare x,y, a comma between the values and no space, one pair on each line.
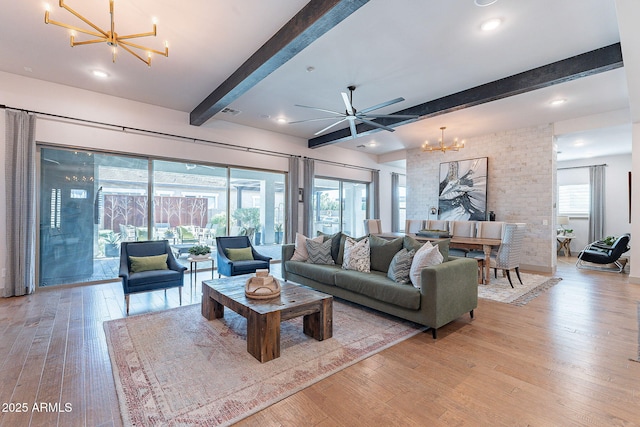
520,185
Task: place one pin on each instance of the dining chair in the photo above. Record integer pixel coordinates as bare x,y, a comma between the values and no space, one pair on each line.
510,251
372,226
437,224
413,225
461,229
490,229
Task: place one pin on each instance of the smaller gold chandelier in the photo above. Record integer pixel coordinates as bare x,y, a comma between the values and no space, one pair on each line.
110,37
441,147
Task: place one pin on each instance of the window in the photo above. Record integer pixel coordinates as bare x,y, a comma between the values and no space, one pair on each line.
574,200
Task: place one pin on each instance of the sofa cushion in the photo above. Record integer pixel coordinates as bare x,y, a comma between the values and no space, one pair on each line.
300,253
378,286
401,266
357,255
335,244
427,256
319,252
148,263
318,272
443,246
239,254
383,251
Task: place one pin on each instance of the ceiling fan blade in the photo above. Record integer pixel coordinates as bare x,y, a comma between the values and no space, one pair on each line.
320,109
315,120
369,122
390,116
354,132
384,104
330,126
347,103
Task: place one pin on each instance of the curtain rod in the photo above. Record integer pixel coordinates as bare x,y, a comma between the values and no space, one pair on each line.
180,137
580,167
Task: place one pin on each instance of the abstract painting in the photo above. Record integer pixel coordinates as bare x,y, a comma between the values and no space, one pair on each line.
463,190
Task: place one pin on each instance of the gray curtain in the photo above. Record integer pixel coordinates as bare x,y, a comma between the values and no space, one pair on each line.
375,180
292,198
307,209
597,208
395,202
21,212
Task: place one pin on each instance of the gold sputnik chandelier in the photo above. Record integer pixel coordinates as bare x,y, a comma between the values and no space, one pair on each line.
455,146
113,39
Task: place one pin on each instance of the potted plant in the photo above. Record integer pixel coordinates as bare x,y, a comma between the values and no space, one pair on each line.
200,252
257,235
111,244
279,233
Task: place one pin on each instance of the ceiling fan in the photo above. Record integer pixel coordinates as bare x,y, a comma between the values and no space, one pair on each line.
352,115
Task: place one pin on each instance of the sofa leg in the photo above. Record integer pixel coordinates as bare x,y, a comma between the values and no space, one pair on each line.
471,314
126,299
180,294
434,333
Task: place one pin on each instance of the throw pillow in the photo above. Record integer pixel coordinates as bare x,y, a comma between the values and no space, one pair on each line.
148,263
427,256
319,252
300,253
400,266
335,243
239,254
357,255
443,245
383,251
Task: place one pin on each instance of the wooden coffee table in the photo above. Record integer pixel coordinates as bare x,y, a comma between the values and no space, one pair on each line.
264,316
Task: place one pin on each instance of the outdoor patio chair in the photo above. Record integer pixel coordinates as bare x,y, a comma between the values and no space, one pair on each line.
148,270
602,254
185,235
236,255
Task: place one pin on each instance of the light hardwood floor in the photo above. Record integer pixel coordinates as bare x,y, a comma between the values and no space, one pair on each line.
563,359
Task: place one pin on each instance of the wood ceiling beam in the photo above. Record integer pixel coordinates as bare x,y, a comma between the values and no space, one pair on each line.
583,65
310,23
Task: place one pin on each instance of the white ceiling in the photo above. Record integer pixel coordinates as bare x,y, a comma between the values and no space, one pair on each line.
419,50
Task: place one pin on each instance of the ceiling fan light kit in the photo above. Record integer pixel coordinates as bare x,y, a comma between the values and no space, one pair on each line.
110,37
351,115
455,146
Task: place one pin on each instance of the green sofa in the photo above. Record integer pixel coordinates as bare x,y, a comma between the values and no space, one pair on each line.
448,290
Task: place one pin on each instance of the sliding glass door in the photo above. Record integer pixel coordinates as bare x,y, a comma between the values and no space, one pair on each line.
91,202
339,205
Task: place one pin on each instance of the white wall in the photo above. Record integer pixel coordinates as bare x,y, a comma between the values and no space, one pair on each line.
616,195
36,95
521,185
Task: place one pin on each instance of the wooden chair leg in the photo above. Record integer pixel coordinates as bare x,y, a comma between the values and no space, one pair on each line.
126,299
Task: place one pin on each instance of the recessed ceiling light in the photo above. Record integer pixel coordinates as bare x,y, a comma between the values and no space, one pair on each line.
310,69
100,73
491,24
28,69
483,3
558,101
578,143
281,120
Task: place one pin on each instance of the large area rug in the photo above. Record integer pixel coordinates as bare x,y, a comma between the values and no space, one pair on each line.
500,290
176,368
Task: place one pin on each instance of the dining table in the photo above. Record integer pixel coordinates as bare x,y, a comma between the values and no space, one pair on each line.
471,243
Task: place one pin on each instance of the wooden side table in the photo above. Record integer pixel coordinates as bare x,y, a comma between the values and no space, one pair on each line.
564,243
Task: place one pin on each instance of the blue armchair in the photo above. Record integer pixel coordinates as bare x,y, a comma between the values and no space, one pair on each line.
147,278
228,267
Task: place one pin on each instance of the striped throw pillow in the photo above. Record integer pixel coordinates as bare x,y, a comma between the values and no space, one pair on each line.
401,266
319,252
